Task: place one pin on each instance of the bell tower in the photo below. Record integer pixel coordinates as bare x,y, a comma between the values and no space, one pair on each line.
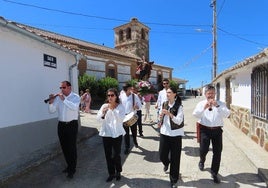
133,38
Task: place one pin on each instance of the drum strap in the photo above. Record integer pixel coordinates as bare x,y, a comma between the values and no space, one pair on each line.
133,100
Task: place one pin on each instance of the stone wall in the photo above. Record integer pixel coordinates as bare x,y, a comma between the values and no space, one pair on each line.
254,128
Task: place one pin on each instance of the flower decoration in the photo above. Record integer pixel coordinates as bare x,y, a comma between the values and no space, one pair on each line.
145,87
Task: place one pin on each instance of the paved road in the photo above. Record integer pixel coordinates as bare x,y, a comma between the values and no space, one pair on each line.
142,168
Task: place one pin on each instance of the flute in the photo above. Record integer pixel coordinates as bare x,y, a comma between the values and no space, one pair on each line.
53,97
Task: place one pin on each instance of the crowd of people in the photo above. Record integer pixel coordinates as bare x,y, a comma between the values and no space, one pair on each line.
114,128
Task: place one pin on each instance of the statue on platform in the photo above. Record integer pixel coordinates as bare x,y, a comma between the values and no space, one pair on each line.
144,68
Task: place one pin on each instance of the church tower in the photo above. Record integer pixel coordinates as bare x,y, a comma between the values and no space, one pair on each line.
133,38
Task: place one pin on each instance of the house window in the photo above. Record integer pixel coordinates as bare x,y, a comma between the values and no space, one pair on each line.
111,70
128,33
111,73
121,35
259,102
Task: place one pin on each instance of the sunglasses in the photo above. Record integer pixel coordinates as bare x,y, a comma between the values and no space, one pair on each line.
165,83
112,95
62,87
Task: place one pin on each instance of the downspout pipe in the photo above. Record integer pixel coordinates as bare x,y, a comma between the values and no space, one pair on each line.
77,58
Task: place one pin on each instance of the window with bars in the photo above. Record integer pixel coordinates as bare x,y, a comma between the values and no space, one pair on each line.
259,91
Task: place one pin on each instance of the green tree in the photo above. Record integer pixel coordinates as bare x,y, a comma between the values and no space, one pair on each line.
174,84
88,82
105,84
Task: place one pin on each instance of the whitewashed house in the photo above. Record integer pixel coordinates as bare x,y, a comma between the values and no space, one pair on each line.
244,88
33,63
32,67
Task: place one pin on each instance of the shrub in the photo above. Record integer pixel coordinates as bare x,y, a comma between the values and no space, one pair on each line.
88,82
105,84
174,84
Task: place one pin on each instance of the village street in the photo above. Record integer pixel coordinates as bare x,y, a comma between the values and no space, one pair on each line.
142,168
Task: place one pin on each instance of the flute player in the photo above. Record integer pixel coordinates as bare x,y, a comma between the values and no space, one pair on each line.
66,103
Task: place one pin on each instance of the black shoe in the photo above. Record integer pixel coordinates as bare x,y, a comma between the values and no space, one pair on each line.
118,176
126,152
201,166
136,144
216,179
110,178
65,170
141,135
173,185
165,168
70,175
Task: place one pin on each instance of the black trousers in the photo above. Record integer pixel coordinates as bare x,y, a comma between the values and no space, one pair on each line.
139,122
67,133
171,146
112,149
127,137
215,136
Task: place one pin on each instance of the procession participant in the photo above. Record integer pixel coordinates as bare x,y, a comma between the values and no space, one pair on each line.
162,96
171,132
66,103
147,100
210,113
111,114
131,103
139,111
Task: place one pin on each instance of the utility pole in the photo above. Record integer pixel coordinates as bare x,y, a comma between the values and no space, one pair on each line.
215,58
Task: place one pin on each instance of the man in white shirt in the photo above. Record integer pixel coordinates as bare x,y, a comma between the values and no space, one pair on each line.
162,97
66,103
210,114
127,99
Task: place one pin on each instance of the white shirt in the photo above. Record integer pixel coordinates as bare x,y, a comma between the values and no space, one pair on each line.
127,102
162,97
212,118
67,109
112,124
166,128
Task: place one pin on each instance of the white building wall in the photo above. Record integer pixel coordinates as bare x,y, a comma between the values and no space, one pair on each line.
222,92
25,81
241,89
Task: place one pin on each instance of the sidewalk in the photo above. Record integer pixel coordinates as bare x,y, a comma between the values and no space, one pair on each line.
242,161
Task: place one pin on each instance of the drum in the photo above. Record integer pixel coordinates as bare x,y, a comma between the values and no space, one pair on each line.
130,119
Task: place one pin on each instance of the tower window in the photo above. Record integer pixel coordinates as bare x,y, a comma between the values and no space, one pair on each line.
128,33
142,34
120,35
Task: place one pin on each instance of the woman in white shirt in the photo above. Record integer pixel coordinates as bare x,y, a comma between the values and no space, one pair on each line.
171,132
111,114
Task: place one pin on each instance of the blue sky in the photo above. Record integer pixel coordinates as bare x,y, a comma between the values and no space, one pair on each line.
180,35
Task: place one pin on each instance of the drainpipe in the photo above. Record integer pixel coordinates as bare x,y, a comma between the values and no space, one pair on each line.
77,58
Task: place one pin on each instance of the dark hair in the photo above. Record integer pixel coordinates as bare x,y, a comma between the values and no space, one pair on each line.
67,83
177,97
165,80
116,94
126,86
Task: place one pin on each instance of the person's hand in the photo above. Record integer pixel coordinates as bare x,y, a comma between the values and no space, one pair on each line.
51,98
164,111
105,109
207,105
214,103
61,96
